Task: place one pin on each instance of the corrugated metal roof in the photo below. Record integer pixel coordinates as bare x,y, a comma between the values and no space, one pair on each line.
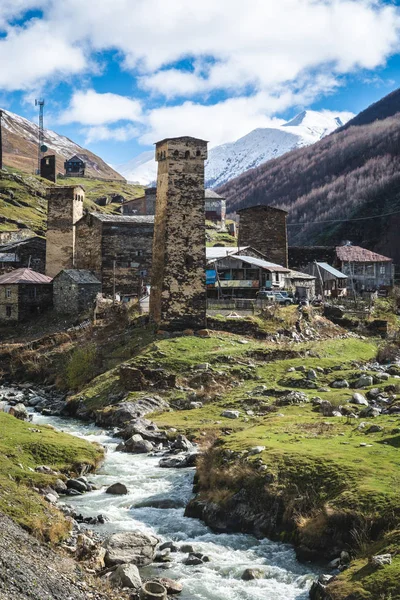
211,195
300,275
331,270
358,254
263,264
223,251
146,219
80,276
8,257
24,276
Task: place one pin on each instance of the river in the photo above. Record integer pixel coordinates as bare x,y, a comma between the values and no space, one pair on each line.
230,554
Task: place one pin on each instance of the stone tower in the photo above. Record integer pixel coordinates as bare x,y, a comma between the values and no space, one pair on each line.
264,228
65,208
178,286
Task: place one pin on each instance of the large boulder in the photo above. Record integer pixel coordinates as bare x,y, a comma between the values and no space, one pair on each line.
137,445
358,398
19,412
340,384
126,576
292,398
130,547
364,381
231,414
117,489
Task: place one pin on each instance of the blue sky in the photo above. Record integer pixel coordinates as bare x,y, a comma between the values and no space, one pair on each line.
117,75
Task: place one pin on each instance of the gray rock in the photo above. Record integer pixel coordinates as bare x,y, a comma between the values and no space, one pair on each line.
250,574
126,576
311,374
194,405
364,381
231,414
59,486
19,412
179,461
172,586
117,489
358,398
186,548
370,411
256,450
340,384
292,398
78,486
374,393
137,445
51,498
133,547
375,429
182,443
381,559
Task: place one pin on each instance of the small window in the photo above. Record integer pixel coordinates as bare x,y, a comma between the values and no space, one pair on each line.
8,311
382,270
198,153
8,292
32,293
187,154
276,277
143,273
176,153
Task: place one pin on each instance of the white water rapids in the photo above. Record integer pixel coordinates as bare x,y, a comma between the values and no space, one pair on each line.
230,554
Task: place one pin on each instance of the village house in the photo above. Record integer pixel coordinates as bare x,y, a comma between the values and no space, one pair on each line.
117,249
144,205
301,285
241,272
75,291
74,167
29,252
365,270
215,208
48,167
24,293
329,281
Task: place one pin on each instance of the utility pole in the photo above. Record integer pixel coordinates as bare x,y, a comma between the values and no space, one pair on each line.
1,141
41,147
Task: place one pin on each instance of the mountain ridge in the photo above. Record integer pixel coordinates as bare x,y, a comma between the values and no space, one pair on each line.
229,160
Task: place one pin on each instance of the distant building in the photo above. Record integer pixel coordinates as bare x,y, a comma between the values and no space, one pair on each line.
29,252
215,208
23,294
144,205
74,167
65,208
48,168
302,285
264,228
117,249
75,291
365,270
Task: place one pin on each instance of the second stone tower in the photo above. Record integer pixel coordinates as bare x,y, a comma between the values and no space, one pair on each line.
178,287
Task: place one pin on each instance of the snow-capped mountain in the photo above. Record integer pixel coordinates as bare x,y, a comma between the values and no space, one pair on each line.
230,160
20,138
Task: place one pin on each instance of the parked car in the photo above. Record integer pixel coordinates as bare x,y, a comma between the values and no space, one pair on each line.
275,296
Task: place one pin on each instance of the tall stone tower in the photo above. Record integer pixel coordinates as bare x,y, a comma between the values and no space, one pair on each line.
264,228
178,286
65,208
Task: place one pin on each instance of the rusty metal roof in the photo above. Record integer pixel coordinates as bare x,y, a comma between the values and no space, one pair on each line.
357,254
24,276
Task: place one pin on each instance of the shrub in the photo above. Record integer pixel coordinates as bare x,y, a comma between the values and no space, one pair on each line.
81,366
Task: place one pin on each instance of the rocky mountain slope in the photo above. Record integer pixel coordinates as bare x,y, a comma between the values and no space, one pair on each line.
20,137
338,189
230,160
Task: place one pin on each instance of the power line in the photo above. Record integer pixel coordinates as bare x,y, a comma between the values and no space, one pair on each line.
397,212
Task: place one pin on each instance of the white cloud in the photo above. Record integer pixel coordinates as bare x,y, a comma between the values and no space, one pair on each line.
103,133
90,108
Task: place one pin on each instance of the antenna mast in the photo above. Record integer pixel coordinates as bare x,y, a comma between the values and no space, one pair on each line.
41,146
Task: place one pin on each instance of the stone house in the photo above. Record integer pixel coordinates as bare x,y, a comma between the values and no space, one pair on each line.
264,228
23,294
215,208
29,252
75,291
144,205
117,249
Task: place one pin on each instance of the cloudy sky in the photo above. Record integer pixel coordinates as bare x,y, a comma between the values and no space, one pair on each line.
117,75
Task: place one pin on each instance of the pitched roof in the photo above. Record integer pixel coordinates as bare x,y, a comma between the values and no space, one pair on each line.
264,264
222,251
211,195
80,276
24,276
331,270
149,219
358,254
300,275
261,206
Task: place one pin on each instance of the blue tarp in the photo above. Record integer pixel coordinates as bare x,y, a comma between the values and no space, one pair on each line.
211,276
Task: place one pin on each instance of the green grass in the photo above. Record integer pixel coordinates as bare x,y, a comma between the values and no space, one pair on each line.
23,447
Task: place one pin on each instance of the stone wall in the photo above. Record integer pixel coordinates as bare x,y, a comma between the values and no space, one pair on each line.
178,289
70,297
34,299
88,238
264,228
301,256
65,208
9,297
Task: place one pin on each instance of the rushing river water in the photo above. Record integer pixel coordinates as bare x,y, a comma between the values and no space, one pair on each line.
230,554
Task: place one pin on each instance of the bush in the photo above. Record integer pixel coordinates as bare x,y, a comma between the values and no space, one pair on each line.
81,366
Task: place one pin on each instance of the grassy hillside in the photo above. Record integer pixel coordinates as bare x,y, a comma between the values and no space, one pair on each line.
23,447
23,198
